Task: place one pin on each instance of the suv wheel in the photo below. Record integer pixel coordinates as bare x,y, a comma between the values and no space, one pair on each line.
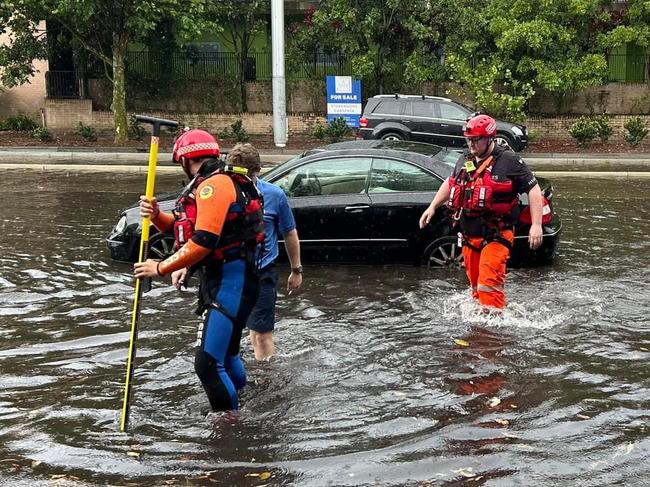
504,139
392,136
443,252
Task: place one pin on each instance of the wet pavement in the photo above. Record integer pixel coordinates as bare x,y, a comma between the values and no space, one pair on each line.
386,375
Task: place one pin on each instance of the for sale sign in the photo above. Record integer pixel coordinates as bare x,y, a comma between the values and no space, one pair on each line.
344,99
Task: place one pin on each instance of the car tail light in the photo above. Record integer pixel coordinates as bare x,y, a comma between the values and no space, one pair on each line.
363,122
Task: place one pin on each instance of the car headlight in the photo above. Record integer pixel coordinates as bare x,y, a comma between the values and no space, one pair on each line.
517,131
120,226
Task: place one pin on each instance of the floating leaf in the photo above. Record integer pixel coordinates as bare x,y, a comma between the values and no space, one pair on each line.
583,416
252,475
265,475
465,472
460,342
133,453
495,401
502,422
36,463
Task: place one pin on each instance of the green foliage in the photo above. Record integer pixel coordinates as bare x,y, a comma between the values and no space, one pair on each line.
20,122
86,132
488,90
246,19
635,131
103,28
336,131
136,131
533,135
236,132
42,134
318,132
604,127
375,37
584,131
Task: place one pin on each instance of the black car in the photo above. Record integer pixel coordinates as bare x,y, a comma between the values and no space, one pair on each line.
428,119
360,202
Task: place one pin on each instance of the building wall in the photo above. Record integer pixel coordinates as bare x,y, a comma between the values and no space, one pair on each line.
65,115
557,128
28,98
612,98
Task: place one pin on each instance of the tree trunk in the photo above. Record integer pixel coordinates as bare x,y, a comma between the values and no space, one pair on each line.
120,45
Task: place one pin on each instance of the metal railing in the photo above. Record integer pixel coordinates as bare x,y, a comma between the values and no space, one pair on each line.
197,65
622,68
63,84
627,68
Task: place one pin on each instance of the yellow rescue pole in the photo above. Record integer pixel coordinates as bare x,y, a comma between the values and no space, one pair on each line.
142,256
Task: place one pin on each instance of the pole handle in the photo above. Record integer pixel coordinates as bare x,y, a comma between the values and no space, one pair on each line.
156,122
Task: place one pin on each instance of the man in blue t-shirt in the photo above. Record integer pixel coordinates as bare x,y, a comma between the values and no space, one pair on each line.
278,220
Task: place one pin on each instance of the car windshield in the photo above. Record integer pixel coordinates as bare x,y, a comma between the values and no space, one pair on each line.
272,171
450,157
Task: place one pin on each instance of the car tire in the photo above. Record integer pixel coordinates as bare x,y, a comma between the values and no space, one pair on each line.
161,246
506,139
443,252
392,136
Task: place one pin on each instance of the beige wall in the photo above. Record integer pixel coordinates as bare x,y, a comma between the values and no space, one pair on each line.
557,128
28,98
65,115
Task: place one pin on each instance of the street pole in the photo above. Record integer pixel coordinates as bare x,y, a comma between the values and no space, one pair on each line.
279,87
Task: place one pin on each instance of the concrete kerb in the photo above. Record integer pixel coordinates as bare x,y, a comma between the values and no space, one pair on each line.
594,165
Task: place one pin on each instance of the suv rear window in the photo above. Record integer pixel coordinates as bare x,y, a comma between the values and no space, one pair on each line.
450,112
388,107
422,109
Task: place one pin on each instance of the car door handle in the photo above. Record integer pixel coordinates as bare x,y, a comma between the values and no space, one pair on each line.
356,208
444,125
406,121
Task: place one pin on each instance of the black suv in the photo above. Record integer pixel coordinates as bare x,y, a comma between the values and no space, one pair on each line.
430,119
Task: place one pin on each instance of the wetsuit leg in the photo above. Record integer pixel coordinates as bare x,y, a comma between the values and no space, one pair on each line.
236,371
217,361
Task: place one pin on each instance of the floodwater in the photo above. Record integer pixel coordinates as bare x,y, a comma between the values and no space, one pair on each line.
386,376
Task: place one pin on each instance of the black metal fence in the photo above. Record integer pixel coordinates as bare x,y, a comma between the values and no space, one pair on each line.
196,65
63,84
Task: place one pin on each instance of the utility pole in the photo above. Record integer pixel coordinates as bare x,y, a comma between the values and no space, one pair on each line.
279,86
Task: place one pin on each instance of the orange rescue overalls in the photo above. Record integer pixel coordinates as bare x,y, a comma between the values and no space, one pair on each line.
474,195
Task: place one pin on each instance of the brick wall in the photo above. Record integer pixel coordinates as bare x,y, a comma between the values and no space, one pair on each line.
557,128
65,115
612,98
29,97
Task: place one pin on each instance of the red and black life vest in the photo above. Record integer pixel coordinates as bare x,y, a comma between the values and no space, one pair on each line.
244,224
473,193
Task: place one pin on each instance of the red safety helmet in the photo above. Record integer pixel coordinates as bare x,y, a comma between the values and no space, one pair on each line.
480,126
195,144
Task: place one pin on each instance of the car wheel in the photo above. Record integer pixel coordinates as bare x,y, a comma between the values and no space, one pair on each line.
392,136
161,246
443,252
505,139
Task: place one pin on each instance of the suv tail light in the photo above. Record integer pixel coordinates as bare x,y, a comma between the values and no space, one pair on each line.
363,122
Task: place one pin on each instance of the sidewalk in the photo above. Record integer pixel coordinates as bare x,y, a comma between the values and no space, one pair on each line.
127,159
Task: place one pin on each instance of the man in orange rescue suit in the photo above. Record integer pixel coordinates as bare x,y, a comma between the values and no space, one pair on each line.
218,226
482,193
